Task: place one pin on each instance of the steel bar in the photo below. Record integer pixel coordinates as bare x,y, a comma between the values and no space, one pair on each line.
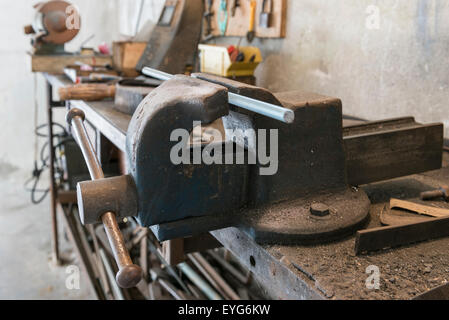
208,277
240,277
129,274
394,236
171,290
266,109
53,189
100,265
199,282
170,269
217,278
117,292
144,256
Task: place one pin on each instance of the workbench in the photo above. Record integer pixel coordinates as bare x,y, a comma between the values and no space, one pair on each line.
328,271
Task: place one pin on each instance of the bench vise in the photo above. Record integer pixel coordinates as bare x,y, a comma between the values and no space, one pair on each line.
300,196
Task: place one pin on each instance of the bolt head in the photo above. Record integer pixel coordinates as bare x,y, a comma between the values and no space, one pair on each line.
319,210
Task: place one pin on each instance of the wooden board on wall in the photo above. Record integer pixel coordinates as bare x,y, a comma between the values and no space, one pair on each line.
239,24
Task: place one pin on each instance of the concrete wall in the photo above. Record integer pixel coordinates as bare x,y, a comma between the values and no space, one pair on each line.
384,58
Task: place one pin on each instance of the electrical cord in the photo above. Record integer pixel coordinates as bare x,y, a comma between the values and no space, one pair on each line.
44,159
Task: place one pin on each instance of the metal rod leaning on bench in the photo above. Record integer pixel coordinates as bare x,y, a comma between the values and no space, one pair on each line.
129,274
257,106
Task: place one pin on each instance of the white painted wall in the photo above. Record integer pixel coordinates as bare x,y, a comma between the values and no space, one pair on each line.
107,19
397,69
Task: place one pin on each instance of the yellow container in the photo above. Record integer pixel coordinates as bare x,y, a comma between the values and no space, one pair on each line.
216,60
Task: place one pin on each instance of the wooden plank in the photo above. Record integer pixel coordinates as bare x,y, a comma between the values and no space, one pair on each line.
56,63
239,24
381,152
419,208
394,236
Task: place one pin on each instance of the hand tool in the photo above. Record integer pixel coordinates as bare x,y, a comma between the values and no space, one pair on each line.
252,21
129,274
208,14
235,5
223,17
263,108
442,192
88,92
265,15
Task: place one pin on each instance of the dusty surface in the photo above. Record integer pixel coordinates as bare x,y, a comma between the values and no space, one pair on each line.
336,272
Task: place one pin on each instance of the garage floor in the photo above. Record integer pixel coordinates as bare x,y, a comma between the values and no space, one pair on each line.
26,271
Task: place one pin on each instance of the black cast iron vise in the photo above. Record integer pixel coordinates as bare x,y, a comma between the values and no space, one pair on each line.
295,191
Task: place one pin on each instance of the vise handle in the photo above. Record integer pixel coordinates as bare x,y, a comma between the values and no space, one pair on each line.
129,274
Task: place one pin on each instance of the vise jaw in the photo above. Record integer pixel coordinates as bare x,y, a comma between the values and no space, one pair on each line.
182,199
116,194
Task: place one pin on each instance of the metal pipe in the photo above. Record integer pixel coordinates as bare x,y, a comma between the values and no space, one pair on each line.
129,274
217,278
171,290
171,271
266,109
198,281
117,292
243,279
53,188
207,276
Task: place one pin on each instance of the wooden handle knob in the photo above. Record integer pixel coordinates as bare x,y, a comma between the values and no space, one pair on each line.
88,92
129,276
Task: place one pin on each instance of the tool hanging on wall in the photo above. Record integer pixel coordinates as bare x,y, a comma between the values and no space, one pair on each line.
265,14
252,19
208,15
235,5
223,17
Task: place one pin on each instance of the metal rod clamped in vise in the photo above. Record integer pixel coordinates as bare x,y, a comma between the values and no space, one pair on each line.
257,106
129,274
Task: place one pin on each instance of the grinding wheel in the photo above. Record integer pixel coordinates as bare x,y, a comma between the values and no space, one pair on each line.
54,18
